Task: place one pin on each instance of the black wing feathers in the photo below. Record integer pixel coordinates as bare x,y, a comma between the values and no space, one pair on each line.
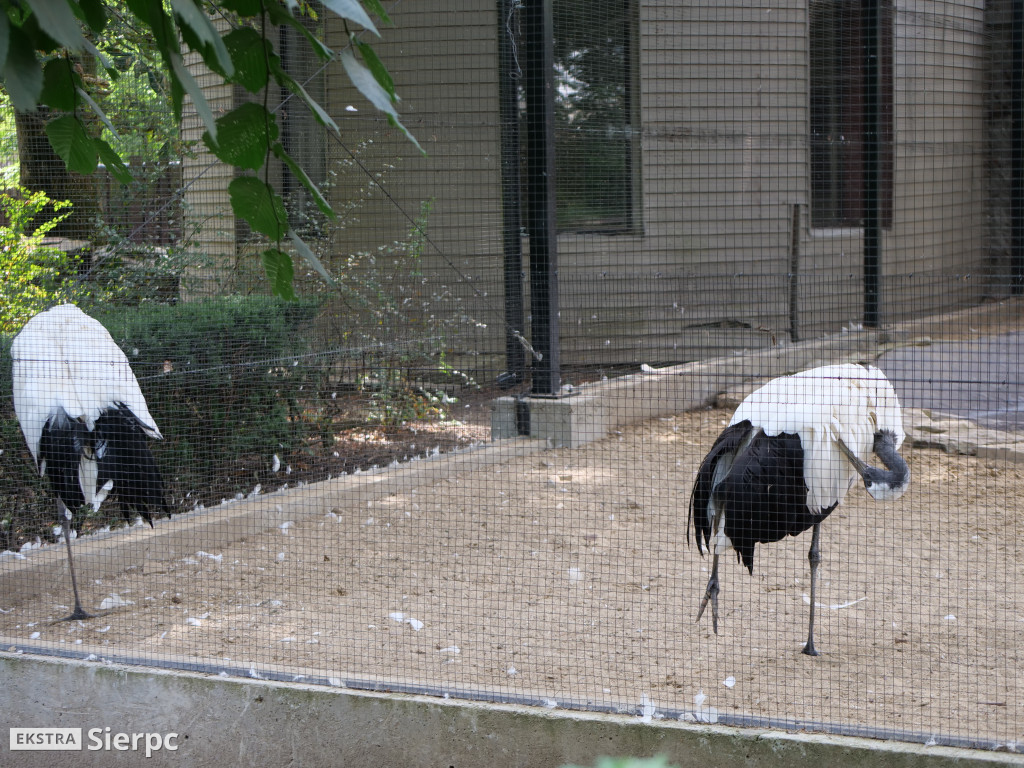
725,446
60,451
763,493
123,455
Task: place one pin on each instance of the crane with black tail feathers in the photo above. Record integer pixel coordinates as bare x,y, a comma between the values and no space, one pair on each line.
791,452
85,420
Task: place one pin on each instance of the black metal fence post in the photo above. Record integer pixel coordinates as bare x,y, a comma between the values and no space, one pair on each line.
1017,150
872,10
511,192
538,56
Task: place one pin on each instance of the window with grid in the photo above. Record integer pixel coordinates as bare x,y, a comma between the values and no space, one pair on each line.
596,115
837,90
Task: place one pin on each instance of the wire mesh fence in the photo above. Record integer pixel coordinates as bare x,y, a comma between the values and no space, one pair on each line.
464,465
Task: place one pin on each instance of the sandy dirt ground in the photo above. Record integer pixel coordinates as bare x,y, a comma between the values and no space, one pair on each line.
566,576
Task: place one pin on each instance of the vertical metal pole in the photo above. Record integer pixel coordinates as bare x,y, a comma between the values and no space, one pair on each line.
794,274
1017,150
511,192
872,21
538,56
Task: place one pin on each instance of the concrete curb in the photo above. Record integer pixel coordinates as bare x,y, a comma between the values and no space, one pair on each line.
222,721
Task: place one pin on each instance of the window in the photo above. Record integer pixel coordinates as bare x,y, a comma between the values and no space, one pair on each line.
596,115
837,96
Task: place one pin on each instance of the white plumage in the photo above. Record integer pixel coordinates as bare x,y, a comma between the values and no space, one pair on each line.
65,359
849,401
84,418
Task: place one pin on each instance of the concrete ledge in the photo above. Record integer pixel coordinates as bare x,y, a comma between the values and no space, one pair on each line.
222,721
593,410
926,429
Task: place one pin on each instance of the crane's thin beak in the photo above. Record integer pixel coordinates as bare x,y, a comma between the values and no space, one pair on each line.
854,459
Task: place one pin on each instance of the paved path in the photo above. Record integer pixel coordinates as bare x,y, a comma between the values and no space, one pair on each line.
981,380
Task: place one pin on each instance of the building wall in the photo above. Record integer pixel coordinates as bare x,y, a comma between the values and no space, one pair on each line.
723,114
938,244
209,224
444,68
723,91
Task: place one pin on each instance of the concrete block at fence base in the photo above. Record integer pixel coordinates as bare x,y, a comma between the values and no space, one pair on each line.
564,422
595,409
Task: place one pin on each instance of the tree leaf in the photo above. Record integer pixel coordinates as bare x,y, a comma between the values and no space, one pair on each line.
244,136
94,14
23,77
243,7
394,122
307,253
301,175
57,19
36,35
295,87
376,66
74,146
5,31
195,19
177,97
164,30
152,14
363,79
279,15
60,85
185,81
248,51
112,162
258,204
98,111
352,10
280,272
377,7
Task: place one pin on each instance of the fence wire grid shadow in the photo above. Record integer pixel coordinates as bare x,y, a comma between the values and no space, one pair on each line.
465,468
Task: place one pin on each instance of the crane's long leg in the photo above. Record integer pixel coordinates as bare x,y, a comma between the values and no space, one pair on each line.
79,612
814,558
711,594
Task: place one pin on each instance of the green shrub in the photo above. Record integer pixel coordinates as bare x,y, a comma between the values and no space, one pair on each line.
221,378
33,276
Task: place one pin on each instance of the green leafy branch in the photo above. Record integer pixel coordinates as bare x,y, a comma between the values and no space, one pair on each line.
40,39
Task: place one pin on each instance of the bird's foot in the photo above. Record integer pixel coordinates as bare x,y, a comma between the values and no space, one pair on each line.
79,614
809,649
710,595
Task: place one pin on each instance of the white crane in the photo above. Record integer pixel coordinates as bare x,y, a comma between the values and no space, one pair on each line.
791,452
84,419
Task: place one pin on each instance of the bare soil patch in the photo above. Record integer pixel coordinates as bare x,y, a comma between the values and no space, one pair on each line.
566,575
